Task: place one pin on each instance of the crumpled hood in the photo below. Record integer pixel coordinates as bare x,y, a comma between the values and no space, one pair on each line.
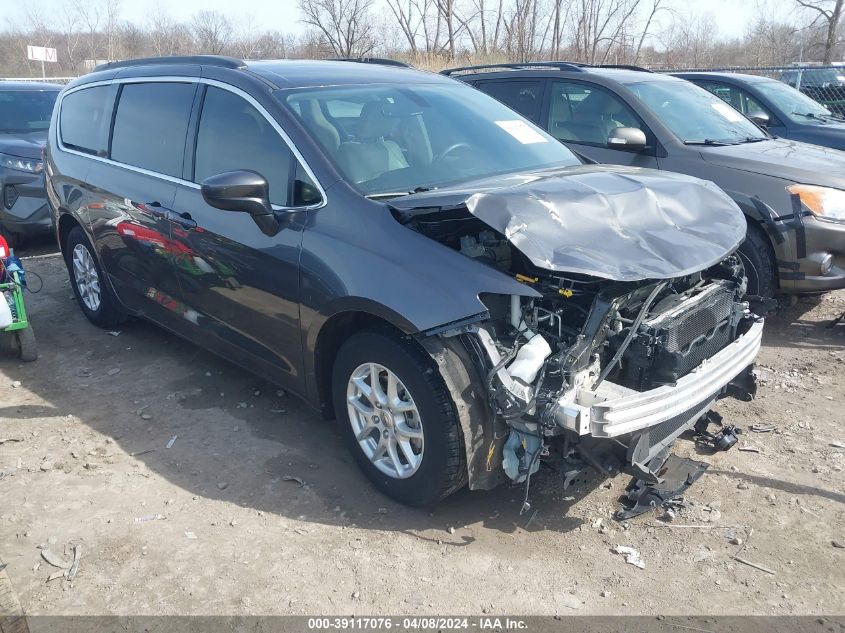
791,160
23,145
620,223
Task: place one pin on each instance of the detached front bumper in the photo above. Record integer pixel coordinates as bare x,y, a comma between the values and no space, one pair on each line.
613,410
23,203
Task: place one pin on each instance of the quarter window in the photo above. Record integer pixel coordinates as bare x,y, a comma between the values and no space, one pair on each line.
83,119
151,124
234,135
583,113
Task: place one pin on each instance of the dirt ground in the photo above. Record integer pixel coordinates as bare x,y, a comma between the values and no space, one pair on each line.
214,525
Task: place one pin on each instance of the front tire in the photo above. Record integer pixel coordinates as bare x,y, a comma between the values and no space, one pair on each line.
759,262
397,418
89,283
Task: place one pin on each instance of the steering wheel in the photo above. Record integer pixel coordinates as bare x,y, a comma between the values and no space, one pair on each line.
449,150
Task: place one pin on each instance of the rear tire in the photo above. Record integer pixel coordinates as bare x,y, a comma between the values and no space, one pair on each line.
27,347
90,286
759,261
424,421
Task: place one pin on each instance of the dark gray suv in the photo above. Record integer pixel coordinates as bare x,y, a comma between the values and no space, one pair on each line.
792,194
25,109
410,256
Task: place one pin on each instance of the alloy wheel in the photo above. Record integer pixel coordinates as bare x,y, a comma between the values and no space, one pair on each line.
385,420
86,277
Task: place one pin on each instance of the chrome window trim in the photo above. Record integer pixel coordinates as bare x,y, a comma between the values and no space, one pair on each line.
180,181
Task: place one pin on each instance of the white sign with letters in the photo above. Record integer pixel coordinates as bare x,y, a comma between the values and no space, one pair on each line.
41,54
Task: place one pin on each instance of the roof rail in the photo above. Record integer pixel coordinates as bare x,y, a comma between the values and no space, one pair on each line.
571,66
372,60
625,67
205,60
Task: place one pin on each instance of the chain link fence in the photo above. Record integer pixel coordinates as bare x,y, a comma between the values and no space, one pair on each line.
48,80
824,84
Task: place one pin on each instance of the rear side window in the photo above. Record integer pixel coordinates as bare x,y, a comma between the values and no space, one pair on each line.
526,97
150,126
83,119
234,135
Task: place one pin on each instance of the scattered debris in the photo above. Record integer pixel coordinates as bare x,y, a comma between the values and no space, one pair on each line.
531,519
149,517
451,530
222,485
11,439
382,510
754,565
837,445
762,428
16,384
114,333
171,441
56,575
54,559
292,478
838,544
640,496
632,556
74,568
750,449
743,485
114,371
137,453
190,535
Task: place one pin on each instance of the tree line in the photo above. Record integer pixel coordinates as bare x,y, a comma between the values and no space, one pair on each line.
432,34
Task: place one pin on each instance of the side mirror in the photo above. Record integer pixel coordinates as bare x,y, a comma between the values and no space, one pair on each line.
244,191
629,139
760,118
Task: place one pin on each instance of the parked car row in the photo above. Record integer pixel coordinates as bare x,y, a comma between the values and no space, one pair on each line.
630,116
461,287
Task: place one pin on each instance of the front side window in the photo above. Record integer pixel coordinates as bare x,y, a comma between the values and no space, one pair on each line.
233,135
83,119
585,113
695,115
392,139
151,124
24,111
526,97
737,97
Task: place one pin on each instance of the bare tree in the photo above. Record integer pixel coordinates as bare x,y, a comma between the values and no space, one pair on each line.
168,37
212,32
347,25
829,14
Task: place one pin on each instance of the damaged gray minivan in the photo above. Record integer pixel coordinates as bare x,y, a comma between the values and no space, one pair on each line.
409,255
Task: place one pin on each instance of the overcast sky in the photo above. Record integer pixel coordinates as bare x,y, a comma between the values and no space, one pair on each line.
732,16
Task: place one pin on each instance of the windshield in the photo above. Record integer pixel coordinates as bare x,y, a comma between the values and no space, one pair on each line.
26,110
390,139
822,76
795,104
695,115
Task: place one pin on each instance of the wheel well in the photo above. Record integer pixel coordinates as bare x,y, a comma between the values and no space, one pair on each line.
66,224
756,227
332,335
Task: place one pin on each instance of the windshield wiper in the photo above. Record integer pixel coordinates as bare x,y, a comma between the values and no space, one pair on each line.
708,141
824,118
397,194
754,139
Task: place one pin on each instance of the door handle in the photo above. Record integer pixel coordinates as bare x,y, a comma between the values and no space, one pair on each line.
183,219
